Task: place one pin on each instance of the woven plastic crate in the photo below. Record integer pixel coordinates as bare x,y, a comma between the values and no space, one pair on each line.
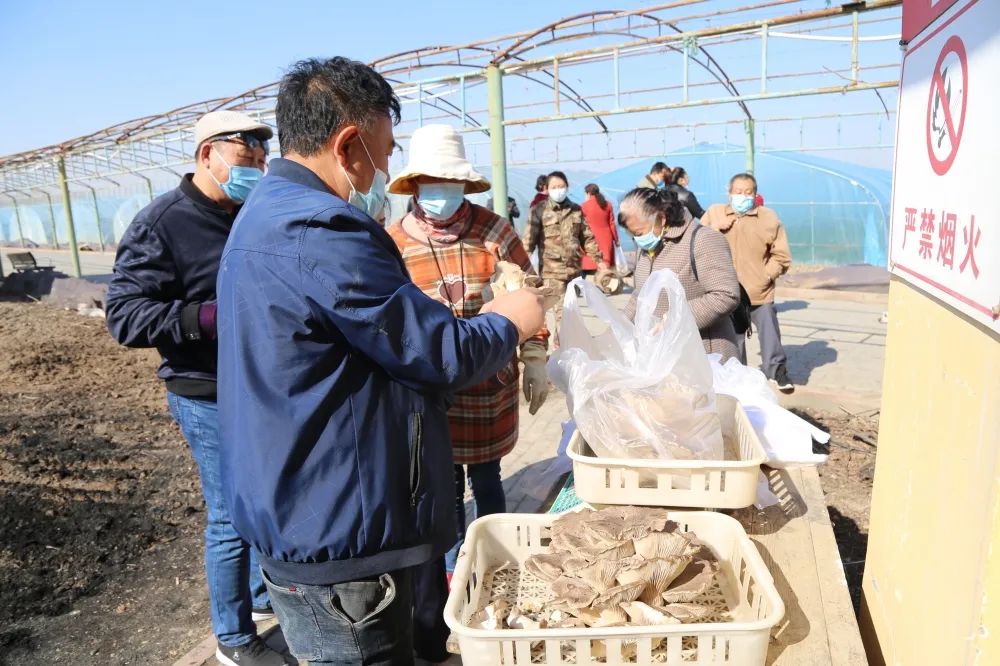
709,484
494,540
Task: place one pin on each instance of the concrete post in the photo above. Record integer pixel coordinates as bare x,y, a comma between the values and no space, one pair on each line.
498,143
74,251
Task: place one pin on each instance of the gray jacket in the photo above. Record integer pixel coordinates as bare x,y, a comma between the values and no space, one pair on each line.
712,297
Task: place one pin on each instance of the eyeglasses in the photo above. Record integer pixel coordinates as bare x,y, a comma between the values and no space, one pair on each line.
251,141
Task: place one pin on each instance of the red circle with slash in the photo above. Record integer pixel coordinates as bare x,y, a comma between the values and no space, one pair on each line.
956,46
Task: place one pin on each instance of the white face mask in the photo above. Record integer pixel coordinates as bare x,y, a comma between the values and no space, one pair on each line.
440,200
557,194
373,202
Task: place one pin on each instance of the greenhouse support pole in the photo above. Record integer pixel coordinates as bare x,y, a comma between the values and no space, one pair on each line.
149,185
748,126
52,219
74,251
17,219
97,215
498,143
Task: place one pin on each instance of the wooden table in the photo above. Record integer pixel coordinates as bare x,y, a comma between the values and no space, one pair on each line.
796,541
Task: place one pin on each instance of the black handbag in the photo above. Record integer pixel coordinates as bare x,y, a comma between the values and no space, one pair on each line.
741,315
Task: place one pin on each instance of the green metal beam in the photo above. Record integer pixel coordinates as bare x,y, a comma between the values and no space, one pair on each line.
52,218
498,143
97,214
748,125
74,251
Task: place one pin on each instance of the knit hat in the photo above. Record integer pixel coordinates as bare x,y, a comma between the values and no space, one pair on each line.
439,152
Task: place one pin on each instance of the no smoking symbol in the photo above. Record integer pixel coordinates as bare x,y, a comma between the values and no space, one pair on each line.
946,105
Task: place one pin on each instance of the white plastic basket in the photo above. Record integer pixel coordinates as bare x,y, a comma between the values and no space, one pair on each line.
494,540
709,484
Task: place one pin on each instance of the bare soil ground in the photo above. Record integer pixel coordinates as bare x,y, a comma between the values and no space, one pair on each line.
100,510
101,515
847,483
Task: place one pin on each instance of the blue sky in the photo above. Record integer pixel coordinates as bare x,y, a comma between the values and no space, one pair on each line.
70,68
73,67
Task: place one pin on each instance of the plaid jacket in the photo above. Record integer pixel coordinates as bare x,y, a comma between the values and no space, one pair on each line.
483,418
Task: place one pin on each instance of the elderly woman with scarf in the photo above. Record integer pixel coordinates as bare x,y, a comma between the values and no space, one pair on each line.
451,247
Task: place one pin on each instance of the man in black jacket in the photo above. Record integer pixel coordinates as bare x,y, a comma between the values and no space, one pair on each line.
163,295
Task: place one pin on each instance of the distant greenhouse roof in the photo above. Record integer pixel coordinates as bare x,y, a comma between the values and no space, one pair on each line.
835,212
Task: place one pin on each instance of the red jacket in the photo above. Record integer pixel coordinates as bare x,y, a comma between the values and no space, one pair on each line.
602,222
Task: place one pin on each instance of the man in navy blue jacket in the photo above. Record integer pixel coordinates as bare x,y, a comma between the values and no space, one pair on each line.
163,295
335,373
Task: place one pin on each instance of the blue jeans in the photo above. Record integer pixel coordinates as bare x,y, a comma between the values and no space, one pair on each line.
234,581
378,621
487,495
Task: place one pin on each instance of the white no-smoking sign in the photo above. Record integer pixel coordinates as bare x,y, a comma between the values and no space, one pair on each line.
945,234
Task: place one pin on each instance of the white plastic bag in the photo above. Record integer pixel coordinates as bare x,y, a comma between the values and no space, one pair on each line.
622,269
641,390
787,439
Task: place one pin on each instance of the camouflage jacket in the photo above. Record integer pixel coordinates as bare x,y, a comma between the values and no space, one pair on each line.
561,236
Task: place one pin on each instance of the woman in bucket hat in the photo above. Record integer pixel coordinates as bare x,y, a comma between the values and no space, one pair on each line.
451,247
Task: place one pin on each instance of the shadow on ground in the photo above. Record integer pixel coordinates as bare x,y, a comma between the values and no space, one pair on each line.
791,306
852,543
803,359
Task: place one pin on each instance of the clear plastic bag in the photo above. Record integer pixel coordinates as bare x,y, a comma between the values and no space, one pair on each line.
643,389
622,269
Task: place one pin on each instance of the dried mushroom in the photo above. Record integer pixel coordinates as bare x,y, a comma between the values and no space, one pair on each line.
694,581
574,592
612,616
600,575
492,617
619,594
547,566
644,615
666,544
614,567
687,612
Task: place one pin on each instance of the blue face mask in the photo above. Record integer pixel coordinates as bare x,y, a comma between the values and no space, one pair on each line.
741,203
240,182
373,202
440,200
648,242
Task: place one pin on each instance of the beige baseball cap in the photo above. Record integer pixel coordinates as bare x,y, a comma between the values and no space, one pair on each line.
228,122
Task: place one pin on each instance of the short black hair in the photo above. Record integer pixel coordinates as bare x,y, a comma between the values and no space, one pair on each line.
318,97
541,182
658,167
557,174
743,176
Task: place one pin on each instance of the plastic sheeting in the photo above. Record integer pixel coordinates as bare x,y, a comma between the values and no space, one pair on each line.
835,212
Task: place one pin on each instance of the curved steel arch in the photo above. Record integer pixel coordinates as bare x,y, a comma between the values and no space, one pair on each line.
721,76
574,97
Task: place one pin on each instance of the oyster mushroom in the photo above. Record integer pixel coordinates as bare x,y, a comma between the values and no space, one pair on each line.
573,592
693,582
